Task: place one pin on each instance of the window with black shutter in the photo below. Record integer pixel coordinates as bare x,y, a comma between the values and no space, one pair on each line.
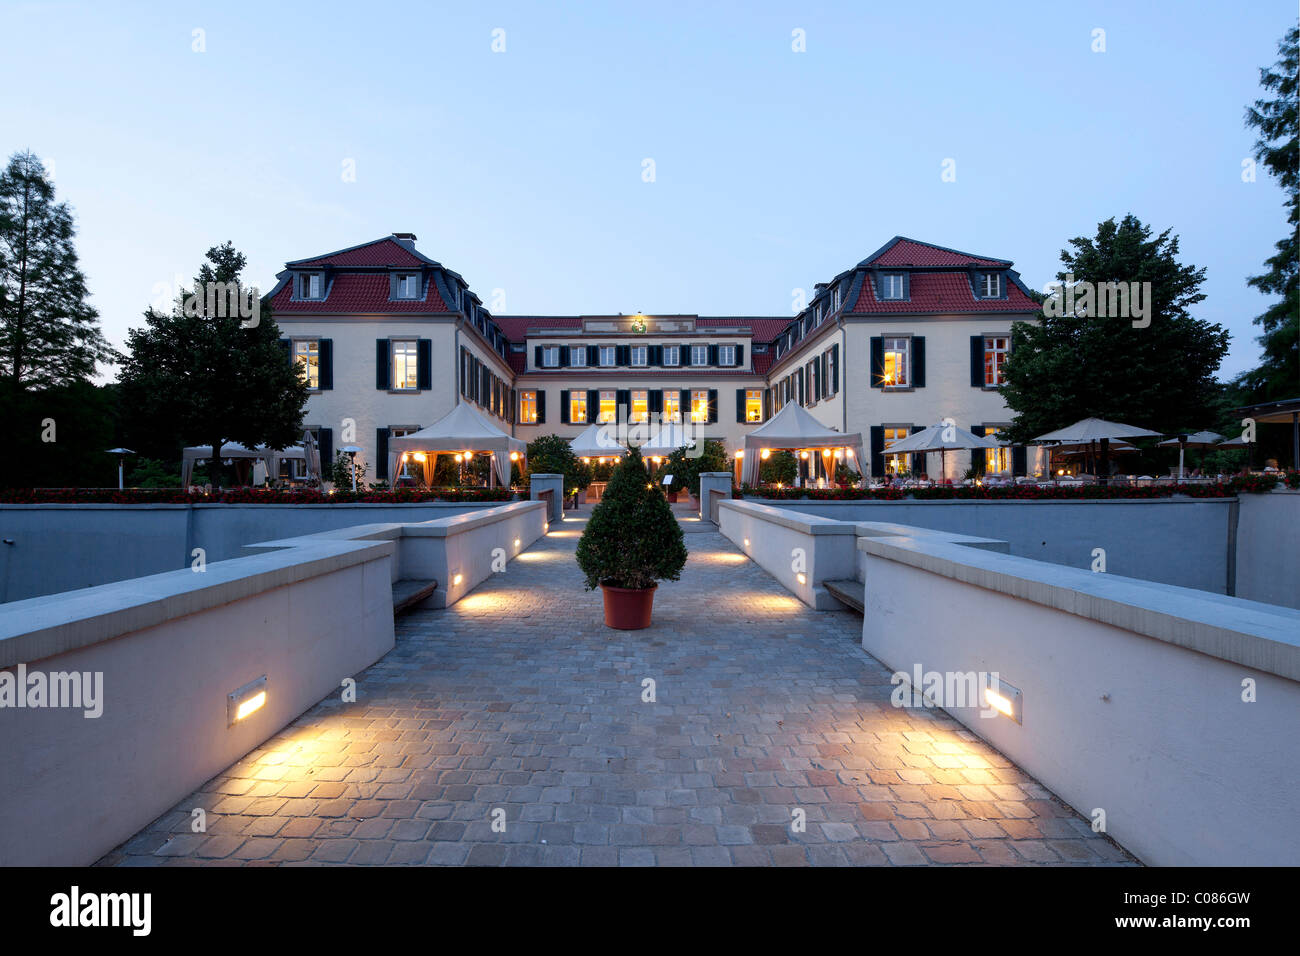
383,368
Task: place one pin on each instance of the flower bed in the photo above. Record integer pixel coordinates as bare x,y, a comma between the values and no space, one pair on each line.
1251,484
244,496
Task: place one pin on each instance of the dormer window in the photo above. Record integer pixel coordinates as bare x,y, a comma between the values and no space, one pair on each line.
891,286
990,285
408,286
311,285
726,355
835,299
699,355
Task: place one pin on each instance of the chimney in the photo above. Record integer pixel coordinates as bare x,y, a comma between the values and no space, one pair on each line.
405,236
818,287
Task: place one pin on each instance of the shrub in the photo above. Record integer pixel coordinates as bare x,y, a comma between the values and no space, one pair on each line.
552,455
780,468
341,470
632,539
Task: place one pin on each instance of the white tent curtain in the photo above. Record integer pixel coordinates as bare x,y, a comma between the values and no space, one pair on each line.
597,441
793,428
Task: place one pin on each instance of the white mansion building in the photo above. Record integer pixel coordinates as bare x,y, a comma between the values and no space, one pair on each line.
911,335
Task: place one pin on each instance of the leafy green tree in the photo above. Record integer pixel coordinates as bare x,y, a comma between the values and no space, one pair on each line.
553,455
1073,366
56,437
632,539
344,468
49,333
1278,148
781,468
206,374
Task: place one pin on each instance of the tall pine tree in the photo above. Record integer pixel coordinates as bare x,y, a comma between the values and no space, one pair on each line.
1278,148
204,374
49,333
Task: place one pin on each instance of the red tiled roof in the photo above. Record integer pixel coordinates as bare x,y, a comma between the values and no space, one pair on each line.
518,361
909,252
943,292
515,327
381,252
365,292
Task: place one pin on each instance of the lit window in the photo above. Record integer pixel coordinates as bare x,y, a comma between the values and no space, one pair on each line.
408,287
528,408
306,353
896,362
699,355
672,355
577,407
578,356
996,350
310,287
640,407
992,285
672,407
640,355
892,287
700,405
754,405
407,467
894,464
607,355
405,365
726,355
551,356
608,407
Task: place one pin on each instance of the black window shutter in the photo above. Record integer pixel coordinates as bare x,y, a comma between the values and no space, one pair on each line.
284,344
977,361
877,361
713,355
740,355
564,356
977,456
593,405
326,355
655,356
918,361
383,371
537,356
657,400
877,449
740,405
835,369
713,405
325,444
623,355
564,406
541,406
1019,461
623,399
684,404
381,454
918,458
424,364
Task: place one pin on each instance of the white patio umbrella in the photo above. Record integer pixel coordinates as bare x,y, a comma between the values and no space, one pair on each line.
121,453
1194,440
940,437
1097,430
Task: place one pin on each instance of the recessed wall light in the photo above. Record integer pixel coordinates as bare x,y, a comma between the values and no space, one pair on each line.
1004,698
248,699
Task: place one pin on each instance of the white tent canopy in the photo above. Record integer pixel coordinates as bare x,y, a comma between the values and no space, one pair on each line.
1194,440
669,438
597,441
232,449
942,437
460,430
793,428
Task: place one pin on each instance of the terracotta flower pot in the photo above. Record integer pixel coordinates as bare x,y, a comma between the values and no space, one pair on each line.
628,609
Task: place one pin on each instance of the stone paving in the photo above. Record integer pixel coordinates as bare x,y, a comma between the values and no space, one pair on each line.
518,705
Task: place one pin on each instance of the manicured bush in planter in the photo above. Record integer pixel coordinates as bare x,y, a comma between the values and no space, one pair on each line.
631,543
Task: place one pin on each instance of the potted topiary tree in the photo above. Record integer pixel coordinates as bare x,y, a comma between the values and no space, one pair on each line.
632,542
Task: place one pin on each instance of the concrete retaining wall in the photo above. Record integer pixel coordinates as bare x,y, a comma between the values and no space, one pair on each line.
1268,548
1132,692
1180,541
63,547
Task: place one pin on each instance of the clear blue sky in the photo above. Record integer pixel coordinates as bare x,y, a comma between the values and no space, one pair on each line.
522,170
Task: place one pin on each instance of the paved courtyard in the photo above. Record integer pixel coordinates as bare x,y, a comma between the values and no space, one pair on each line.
515,728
